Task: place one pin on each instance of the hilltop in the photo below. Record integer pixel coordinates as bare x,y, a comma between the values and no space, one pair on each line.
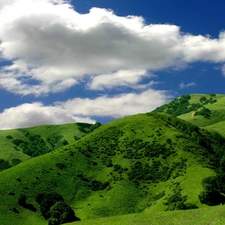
143,163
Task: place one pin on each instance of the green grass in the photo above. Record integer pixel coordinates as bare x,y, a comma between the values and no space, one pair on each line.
124,142
217,127
217,109
216,122
54,137
203,216
8,150
213,123
65,131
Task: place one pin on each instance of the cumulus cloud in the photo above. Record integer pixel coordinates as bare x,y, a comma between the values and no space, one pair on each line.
52,47
203,48
183,85
117,79
81,110
33,114
119,105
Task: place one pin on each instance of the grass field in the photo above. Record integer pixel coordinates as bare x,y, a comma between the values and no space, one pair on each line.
203,216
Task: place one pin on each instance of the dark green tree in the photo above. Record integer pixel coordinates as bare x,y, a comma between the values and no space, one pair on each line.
60,213
46,201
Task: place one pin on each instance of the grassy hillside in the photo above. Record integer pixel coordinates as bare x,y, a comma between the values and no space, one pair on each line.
203,216
203,110
21,144
143,163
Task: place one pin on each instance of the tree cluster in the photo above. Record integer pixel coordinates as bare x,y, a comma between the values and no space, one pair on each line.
55,209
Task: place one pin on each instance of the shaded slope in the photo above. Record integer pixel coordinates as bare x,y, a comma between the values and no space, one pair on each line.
144,161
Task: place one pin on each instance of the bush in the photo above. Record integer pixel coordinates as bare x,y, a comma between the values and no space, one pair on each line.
213,187
46,201
4,164
36,145
9,137
60,213
211,197
65,142
22,202
17,142
202,99
205,112
177,202
97,185
16,161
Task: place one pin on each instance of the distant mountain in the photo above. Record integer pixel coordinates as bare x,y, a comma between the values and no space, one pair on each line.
143,163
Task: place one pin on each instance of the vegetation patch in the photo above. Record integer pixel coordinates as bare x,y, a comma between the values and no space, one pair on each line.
55,209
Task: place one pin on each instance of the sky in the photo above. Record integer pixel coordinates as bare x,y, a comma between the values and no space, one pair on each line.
98,60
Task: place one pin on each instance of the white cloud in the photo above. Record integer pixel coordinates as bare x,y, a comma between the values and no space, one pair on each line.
200,48
33,114
81,110
52,47
119,105
183,85
117,79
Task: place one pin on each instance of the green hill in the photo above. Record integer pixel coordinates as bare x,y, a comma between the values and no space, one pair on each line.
19,145
207,111
144,163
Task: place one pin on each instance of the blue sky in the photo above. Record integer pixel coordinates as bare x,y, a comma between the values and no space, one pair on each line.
98,60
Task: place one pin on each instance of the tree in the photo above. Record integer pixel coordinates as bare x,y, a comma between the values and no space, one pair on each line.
65,142
60,213
46,201
211,197
202,99
212,193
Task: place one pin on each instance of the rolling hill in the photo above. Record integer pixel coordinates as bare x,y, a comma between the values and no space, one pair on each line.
19,145
206,111
144,164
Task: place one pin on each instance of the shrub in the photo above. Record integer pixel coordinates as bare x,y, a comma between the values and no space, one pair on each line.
15,161
4,164
60,213
211,197
205,112
46,201
176,202
65,142
213,187
97,185
22,202
9,137
17,142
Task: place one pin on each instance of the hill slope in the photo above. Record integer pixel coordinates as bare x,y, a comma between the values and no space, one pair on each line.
149,161
203,216
21,144
203,110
